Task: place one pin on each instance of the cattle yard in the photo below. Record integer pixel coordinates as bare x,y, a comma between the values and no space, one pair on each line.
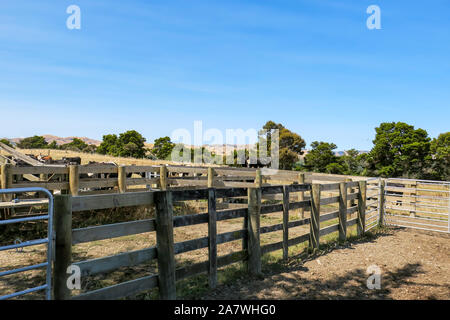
153,231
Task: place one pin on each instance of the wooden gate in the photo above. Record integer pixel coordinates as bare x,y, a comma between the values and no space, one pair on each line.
418,204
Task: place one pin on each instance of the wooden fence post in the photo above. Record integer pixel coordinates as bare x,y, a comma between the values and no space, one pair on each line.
43,178
63,246
301,195
314,236
165,245
352,202
122,179
258,184
362,194
342,211
285,222
163,177
381,202
212,235
258,178
6,180
253,228
211,174
74,179
6,183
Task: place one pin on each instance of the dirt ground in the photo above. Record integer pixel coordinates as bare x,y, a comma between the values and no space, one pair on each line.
414,265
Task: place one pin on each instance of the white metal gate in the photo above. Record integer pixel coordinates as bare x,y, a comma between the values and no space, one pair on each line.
16,245
418,204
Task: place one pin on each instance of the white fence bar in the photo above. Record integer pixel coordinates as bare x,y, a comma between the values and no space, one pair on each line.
418,211
418,218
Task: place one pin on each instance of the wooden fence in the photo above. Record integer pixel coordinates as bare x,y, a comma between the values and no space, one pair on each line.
165,222
104,179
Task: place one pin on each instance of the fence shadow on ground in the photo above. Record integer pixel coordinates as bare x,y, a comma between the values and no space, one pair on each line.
351,285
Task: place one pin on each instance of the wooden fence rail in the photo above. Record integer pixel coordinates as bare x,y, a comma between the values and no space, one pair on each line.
105,179
163,225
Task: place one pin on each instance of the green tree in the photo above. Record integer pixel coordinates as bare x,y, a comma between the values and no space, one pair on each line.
162,148
399,150
35,142
75,145
290,144
321,156
440,153
335,168
109,145
7,142
53,145
131,144
353,162
288,158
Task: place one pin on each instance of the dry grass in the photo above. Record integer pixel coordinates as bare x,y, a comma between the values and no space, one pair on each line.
86,157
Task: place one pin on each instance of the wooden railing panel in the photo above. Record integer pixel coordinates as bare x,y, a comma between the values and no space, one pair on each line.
112,231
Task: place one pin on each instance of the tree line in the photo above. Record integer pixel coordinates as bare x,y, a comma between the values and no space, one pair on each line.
399,150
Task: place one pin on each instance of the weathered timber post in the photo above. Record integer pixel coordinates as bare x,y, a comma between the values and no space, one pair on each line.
342,211
212,235
211,174
258,178
258,184
163,177
122,179
63,246
43,178
301,195
285,222
253,229
381,202
6,183
3,212
6,180
314,236
352,202
361,221
74,179
165,245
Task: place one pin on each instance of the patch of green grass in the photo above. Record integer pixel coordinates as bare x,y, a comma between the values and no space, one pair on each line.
192,287
197,286
270,219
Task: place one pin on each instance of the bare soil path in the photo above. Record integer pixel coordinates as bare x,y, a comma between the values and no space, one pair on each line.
414,265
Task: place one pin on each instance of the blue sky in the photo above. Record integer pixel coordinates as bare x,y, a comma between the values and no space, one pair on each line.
155,66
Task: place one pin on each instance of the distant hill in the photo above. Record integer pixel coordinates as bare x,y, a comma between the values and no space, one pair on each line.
60,140
217,148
